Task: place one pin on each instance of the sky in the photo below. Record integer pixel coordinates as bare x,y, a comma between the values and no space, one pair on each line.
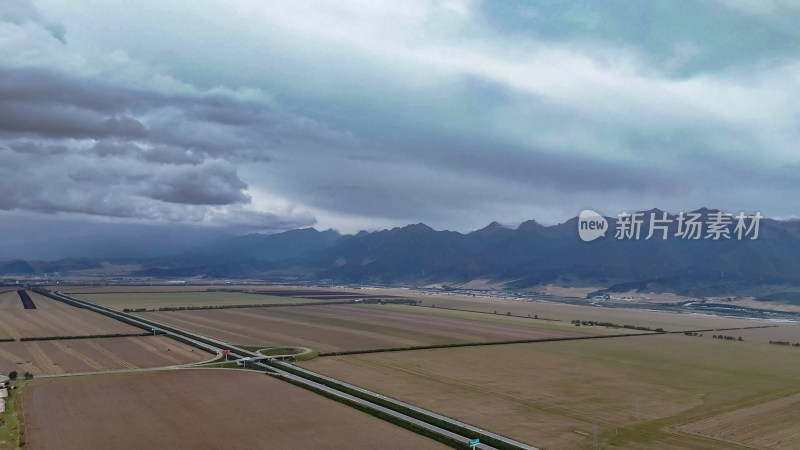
181,117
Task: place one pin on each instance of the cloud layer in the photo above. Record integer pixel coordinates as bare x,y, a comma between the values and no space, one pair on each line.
271,115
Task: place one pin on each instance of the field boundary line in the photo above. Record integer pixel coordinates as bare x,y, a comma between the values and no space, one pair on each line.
479,344
88,336
489,313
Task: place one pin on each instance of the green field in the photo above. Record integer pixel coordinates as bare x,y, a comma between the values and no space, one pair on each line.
9,424
155,300
281,351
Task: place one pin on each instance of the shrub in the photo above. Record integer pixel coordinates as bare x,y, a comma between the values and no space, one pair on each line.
12,375
28,376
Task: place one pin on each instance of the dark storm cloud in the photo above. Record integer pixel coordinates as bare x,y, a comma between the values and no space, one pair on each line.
46,86
457,113
152,144
107,148
62,121
216,185
172,155
35,148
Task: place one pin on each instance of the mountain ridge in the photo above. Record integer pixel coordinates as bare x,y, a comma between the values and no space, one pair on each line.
528,255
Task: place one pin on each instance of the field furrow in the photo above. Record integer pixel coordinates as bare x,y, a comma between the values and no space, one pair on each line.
44,362
91,363
770,425
116,358
143,344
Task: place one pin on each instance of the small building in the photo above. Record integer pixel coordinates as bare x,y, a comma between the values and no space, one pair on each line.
3,381
2,405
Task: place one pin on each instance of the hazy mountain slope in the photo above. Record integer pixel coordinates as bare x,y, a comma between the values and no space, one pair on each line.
526,256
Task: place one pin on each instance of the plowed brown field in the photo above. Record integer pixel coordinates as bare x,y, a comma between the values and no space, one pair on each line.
53,318
191,409
95,354
770,425
350,327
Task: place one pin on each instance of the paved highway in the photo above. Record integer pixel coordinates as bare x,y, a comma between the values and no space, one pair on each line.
412,407
216,346
371,405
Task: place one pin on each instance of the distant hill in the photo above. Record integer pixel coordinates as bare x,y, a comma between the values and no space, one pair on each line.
529,255
533,254
243,256
16,268
260,247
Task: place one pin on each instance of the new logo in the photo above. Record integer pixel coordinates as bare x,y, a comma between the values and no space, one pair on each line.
591,225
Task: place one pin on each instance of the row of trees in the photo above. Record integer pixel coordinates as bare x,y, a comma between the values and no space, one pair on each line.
727,338
797,344
584,323
13,375
508,313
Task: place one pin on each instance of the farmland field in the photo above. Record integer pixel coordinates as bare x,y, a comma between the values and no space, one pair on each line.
770,425
552,394
204,409
53,318
788,332
187,299
546,310
277,291
566,312
113,289
282,290
332,328
95,354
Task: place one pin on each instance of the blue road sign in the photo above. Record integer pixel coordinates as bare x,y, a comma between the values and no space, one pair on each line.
475,442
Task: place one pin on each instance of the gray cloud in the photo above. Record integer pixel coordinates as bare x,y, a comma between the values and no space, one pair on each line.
23,11
64,122
34,148
212,185
152,145
483,112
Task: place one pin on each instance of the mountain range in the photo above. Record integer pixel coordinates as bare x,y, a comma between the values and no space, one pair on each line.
528,255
